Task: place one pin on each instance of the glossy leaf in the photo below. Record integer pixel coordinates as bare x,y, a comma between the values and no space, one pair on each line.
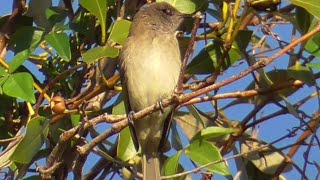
3,72
313,6
95,54
20,85
304,19
18,60
186,6
75,119
313,45
120,31
126,149
190,125
37,131
99,9
213,132
171,165
60,42
203,152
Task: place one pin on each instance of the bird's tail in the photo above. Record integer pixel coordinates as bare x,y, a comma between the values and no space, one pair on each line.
150,167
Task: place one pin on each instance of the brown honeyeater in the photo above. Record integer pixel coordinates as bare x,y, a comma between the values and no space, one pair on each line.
150,63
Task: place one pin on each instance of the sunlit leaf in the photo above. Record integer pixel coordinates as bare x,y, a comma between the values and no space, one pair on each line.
3,72
171,165
186,6
126,149
20,85
212,132
120,31
60,42
95,54
37,130
203,152
313,45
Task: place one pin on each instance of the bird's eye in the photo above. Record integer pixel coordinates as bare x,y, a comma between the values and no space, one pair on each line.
167,11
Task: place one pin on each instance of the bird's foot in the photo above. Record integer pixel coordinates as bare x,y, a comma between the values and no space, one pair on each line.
160,105
131,117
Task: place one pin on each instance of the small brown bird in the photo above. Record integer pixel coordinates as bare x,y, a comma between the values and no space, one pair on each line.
150,64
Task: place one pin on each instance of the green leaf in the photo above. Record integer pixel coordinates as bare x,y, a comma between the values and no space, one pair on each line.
243,38
313,45
120,31
99,9
171,165
20,85
302,73
119,106
60,42
126,149
56,14
203,152
212,132
194,112
3,72
95,54
25,38
312,6
75,119
23,42
37,131
187,6
206,60
304,19
35,177
313,65
18,60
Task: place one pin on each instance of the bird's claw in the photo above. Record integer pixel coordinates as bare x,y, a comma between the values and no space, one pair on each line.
131,117
159,102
